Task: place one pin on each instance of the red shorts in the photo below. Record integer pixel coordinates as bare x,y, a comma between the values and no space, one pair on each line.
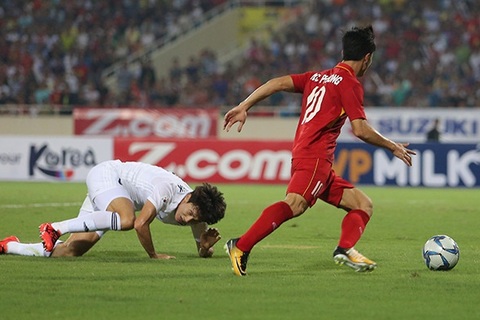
315,179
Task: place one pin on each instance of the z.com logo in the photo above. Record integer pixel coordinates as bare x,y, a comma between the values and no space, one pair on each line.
59,165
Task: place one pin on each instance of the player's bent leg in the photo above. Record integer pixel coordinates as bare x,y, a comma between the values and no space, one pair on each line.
297,203
360,209
76,245
125,210
356,199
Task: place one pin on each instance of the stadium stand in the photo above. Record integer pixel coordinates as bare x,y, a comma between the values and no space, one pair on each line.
428,52
54,53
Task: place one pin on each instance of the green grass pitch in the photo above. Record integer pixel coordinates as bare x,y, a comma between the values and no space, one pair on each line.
291,272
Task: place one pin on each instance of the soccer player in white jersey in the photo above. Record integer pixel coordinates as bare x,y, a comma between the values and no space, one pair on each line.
116,190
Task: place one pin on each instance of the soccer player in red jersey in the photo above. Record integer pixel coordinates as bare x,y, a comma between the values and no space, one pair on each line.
329,97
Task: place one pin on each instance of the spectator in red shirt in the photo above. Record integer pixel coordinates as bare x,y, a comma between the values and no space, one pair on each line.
328,98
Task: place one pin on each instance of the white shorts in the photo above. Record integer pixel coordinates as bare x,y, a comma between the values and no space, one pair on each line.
104,186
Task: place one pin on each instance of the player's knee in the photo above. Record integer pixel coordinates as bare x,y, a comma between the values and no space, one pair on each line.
73,252
363,202
128,222
297,203
68,249
367,206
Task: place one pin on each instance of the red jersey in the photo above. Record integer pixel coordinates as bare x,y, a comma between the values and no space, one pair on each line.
329,97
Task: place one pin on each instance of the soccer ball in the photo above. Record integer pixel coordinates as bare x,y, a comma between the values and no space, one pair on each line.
441,253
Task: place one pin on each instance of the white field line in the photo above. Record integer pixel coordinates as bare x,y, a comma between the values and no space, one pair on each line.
40,205
289,247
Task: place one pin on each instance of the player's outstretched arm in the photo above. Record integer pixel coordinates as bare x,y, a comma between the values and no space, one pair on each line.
239,113
364,131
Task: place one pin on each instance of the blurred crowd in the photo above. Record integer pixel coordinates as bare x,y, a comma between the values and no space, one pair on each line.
55,51
428,53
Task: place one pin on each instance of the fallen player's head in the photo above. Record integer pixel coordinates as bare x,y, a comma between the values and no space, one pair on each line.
210,203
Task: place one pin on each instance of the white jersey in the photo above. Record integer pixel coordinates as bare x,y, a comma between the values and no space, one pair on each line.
141,182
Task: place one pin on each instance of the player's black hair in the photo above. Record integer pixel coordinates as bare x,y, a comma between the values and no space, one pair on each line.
358,42
210,203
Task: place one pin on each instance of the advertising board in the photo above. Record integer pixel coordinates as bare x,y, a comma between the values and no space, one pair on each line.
411,125
160,123
435,165
241,161
51,158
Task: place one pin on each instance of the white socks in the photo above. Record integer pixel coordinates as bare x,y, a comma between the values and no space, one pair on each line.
28,249
98,220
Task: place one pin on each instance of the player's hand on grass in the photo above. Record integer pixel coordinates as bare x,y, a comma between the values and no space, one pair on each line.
209,238
163,256
207,241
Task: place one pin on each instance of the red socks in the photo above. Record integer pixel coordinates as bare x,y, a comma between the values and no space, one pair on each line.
353,225
270,219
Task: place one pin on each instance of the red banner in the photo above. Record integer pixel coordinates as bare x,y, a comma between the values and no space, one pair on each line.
212,160
159,123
